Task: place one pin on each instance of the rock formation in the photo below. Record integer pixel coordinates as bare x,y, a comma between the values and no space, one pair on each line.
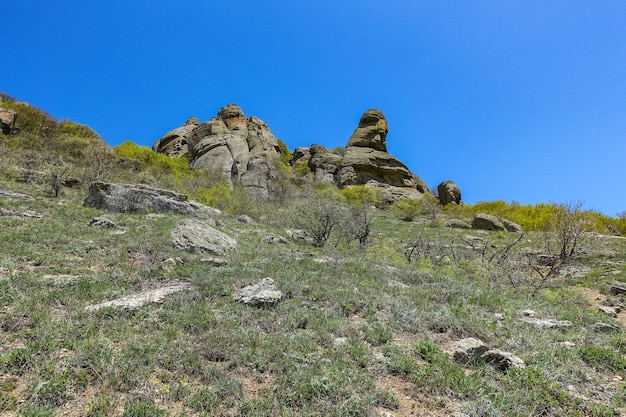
366,161
7,118
239,148
243,151
175,142
139,198
300,155
193,235
449,193
324,164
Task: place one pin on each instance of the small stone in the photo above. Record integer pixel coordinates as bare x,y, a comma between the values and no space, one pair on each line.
271,238
245,219
606,328
135,301
458,224
468,350
549,323
263,292
618,288
529,313
610,311
340,341
396,284
214,261
168,264
502,360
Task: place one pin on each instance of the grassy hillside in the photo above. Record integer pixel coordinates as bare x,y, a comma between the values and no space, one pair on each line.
365,328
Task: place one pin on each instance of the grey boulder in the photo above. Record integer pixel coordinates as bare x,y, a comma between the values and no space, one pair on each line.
194,235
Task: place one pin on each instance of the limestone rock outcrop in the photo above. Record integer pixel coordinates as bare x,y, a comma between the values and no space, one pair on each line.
175,142
262,293
7,118
239,148
484,221
366,161
324,163
449,193
139,198
194,235
300,155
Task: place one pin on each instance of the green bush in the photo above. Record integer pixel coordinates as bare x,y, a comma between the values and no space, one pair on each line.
301,169
70,128
32,126
407,209
603,358
285,153
142,408
359,195
235,201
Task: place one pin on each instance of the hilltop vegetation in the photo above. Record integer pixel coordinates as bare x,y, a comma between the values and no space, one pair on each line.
375,297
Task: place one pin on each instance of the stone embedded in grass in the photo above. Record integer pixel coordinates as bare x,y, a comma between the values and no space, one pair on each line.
618,288
484,221
502,360
12,194
263,292
214,261
511,226
137,300
245,219
458,224
606,328
170,264
103,222
469,350
271,238
196,236
27,214
140,198
548,323
610,311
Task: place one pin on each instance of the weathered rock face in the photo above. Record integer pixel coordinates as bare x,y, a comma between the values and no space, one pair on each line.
484,221
195,236
175,142
241,148
300,155
366,160
449,193
139,198
7,118
371,132
263,292
324,163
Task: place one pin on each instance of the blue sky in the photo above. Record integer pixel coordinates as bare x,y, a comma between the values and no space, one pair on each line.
512,100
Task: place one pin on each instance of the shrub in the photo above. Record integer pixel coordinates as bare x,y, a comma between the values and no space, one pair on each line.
142,408
55,176
569,230
301,169
285,153
236,200
359,195
32,126
70,128
319,216
407,209
603,358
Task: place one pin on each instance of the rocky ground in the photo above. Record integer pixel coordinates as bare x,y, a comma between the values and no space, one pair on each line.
162,308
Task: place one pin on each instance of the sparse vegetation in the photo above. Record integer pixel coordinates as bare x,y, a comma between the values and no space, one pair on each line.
361,331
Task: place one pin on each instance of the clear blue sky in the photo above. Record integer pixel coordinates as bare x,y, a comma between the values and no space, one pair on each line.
512,100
